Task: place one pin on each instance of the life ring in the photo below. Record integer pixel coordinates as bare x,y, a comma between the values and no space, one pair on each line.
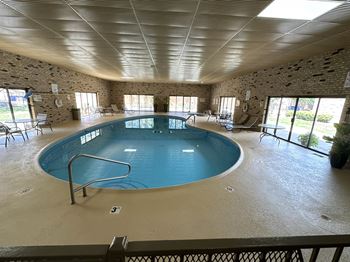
245,107
58,102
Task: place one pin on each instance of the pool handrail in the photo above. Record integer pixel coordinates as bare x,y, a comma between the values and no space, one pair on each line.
72,190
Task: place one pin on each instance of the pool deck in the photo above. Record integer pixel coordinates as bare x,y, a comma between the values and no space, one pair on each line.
280,190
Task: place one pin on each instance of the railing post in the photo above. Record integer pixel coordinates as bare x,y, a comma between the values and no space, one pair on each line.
116,251
71,181
84,192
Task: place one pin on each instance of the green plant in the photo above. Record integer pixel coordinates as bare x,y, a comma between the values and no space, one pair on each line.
324,118
289,113
305,115
341,141
304,139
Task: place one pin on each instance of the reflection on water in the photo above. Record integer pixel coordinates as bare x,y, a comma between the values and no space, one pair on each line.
90,136
144,123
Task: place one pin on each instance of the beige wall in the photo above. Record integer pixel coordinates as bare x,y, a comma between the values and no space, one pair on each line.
21,72
322,75
160,91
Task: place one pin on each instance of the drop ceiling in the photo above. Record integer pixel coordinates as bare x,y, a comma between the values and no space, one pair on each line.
204,41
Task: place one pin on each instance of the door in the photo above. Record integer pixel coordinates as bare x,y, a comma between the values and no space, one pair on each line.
286,116
306,119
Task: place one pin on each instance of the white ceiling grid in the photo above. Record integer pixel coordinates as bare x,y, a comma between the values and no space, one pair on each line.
164,40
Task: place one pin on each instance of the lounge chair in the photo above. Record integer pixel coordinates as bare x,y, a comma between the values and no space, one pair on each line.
9,132
115,109
224,118
248,125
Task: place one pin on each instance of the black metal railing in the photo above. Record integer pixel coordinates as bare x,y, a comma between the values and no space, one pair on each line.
280,249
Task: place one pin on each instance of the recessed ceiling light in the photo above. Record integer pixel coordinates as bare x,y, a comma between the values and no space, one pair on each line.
298,9
191,80
187,150
130,150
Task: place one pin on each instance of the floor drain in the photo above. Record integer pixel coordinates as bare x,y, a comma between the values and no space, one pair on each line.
230,189
327,218
115,210
25,190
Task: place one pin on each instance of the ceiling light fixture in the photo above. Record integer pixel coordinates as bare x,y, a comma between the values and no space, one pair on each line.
191,80
298,9
130,150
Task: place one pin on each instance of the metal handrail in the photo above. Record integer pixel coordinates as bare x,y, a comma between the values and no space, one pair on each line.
83,187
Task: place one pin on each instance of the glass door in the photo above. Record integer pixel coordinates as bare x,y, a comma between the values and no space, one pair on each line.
87,102
329,113
306,119
303,122
183,104
286,114
273,112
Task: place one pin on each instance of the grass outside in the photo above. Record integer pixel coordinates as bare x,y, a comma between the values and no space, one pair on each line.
20,112
320,128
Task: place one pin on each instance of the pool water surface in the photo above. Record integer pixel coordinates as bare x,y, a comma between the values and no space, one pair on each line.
163,151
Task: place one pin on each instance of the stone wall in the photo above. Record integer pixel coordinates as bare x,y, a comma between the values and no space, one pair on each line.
21,72
322,75
161,92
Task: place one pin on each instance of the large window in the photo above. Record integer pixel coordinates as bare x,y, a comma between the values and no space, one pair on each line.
13,105
87,102
183,104
138,102
227,105
306,120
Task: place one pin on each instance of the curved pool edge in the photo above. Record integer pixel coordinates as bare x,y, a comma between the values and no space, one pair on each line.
41,171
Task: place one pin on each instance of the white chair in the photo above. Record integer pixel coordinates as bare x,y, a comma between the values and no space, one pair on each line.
248,125
41,122
10,132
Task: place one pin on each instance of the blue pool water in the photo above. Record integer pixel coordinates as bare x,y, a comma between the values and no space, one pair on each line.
162,150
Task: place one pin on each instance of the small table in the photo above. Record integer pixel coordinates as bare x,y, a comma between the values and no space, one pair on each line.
269,126
24,122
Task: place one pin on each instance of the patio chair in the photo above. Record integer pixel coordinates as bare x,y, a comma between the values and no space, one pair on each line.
248,125
9,132
41,123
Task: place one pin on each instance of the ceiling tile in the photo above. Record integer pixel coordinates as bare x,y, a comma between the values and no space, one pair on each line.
226,22
233,8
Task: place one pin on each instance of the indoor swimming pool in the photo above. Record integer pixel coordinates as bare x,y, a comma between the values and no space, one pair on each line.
163,151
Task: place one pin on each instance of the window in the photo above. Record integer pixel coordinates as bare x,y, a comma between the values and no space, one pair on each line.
87,102
138,102
227,105
183,104
13,105
306,120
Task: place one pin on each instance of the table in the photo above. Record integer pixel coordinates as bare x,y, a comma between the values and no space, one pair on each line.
24,122
269,126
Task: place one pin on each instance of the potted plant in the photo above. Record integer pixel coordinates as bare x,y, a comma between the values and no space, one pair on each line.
304,139
340,151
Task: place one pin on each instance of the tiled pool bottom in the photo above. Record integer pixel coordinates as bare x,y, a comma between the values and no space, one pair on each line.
277,191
